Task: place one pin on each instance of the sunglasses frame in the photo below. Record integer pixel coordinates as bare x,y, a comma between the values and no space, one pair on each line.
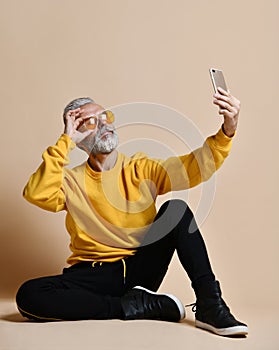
92,126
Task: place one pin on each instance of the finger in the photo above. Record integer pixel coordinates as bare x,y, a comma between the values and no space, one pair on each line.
69,114
82,135
227,94
85,117
222,91
223,104
78,122
223,98
75,110
88,132
69,118
226,113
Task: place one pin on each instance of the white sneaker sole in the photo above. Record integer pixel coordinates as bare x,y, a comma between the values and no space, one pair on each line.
173,297
236,330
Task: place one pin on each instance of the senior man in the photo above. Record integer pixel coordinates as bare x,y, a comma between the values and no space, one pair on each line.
121,246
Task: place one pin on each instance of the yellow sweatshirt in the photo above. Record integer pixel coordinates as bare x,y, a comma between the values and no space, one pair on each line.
109,212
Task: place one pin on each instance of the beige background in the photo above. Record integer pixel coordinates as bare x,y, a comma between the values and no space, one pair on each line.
156,51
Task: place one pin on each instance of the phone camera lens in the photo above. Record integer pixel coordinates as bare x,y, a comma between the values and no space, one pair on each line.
213,70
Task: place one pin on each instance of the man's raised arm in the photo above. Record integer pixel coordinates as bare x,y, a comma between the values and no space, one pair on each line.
45,186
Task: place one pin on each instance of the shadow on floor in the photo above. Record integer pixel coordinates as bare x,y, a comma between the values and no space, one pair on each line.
15,317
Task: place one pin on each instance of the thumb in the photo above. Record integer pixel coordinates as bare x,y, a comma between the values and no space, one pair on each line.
87,133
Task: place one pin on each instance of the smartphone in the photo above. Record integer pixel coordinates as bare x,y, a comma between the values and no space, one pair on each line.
218,79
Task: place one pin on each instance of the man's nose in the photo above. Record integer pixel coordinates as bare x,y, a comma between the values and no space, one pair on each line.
102,122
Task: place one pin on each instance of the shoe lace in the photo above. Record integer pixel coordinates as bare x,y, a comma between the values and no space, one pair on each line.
222,306
194,306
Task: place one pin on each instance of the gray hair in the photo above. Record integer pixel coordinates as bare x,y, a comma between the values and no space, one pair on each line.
78,102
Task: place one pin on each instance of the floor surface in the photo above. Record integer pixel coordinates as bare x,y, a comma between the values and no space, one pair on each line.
17,333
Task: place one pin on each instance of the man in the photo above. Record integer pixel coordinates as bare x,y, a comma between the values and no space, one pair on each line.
121,247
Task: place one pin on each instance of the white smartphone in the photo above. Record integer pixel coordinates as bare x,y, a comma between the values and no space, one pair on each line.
218,79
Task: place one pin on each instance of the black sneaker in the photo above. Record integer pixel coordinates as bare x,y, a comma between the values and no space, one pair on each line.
220,321
141,303
214,315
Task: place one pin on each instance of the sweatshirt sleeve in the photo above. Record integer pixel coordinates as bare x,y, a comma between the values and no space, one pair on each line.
186,171
45,186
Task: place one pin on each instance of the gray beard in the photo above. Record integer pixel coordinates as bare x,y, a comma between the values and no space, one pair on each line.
106,145
96,145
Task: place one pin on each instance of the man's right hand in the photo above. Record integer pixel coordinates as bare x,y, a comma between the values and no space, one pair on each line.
73,122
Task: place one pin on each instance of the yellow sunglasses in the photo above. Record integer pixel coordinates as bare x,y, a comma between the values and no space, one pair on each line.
92,121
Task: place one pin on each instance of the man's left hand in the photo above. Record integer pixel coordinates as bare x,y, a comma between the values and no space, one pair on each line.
229,108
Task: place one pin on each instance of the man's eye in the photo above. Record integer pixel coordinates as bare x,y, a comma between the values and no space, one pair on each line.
92,121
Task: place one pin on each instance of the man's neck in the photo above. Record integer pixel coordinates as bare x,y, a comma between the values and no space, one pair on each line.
102,161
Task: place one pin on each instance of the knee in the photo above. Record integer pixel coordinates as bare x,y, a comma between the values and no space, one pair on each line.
25,296
179,214
23,292
179,203
177,206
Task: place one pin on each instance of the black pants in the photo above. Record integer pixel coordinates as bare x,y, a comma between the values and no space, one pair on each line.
84,291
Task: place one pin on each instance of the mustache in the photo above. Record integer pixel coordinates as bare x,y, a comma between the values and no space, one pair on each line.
104,129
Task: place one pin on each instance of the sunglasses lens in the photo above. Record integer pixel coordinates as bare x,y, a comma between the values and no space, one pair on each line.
91,123
110,117
107,117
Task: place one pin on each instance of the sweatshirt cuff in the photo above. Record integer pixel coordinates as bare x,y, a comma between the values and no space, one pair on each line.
67,142
222,138
221,141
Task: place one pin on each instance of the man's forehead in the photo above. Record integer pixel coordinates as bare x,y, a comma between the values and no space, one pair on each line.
91,108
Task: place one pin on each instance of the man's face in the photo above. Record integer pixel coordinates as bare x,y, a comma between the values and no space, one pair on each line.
103,139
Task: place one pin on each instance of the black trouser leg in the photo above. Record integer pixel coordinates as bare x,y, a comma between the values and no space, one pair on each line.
81,292
84,292
174,228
